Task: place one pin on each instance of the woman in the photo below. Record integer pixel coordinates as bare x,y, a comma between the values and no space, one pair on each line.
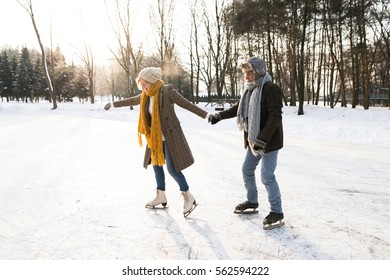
166,142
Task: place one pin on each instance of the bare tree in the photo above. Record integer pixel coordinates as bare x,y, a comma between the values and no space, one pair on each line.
89,68
89,71
194,55
305,18
382,60
112,85
128,58
162,21
27,5
219,35
333,18
361,21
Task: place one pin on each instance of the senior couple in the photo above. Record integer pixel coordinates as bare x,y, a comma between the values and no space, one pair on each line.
258,115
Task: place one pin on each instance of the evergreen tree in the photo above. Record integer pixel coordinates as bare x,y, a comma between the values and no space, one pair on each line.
14,71
24,79
39,83
81,88
6,76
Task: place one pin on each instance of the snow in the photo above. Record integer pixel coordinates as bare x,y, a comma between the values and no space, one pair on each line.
73,188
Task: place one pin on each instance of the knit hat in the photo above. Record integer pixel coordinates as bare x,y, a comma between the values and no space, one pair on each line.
255,64
150,75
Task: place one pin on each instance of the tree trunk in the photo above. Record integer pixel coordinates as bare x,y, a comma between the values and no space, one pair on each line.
29,8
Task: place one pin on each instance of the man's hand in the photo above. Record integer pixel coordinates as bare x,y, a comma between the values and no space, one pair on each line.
213,119
259,147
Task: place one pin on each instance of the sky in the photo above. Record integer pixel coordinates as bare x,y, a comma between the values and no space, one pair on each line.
73,188
70,30
74,22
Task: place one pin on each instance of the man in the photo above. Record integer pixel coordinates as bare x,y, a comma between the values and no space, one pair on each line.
259,115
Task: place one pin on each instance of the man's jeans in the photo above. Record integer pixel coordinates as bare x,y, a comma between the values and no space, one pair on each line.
268,166
160,176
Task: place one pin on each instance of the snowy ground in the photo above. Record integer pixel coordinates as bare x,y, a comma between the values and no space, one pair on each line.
73,188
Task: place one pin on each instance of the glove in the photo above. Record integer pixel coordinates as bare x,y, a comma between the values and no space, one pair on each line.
213,119
258,147
107,106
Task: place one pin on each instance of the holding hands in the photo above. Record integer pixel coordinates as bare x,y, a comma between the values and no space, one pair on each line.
213,119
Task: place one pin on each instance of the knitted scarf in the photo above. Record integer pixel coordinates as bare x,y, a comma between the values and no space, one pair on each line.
153,134
249,109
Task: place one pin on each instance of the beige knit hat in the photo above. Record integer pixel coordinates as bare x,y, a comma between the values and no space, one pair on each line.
150,75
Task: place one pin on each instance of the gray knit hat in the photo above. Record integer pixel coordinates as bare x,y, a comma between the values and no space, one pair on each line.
150,75
255,64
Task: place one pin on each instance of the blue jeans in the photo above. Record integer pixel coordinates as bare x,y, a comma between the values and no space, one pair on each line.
160,176
267,172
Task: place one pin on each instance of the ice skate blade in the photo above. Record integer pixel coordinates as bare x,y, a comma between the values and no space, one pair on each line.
278,224
158,206
246,212
189,211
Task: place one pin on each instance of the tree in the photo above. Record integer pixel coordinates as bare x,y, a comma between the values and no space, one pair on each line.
162,21
361,9
39,81
216,54
382,60
6,76
219,33
89,70
27,5
334,16
127,56
24,78
261,28
194,54
81,84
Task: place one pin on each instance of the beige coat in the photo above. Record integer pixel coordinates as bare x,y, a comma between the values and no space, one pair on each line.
170,125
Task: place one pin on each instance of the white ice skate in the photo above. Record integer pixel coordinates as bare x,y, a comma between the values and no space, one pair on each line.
189,203
159,199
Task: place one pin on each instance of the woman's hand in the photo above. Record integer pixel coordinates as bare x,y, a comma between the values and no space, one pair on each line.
107,106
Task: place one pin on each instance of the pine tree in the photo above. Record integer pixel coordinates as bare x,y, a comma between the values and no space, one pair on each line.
6,76
24,80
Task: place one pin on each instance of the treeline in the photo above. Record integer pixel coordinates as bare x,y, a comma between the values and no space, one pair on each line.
327,51
22,77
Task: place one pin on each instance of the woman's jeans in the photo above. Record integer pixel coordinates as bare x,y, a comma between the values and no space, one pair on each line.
160,176
268,166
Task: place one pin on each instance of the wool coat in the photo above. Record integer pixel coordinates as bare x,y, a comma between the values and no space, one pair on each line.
170,125
271,128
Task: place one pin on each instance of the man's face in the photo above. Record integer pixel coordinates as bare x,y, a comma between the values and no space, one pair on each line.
249,77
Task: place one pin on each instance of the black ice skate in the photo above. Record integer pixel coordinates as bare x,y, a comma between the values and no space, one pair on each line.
273,220
246,208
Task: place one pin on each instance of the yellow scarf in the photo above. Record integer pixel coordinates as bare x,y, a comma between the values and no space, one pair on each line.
152,134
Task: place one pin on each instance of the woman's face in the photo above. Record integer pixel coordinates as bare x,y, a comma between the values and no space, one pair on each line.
144,84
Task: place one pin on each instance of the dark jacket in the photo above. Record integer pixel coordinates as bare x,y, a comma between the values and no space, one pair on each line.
271,128
170,125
